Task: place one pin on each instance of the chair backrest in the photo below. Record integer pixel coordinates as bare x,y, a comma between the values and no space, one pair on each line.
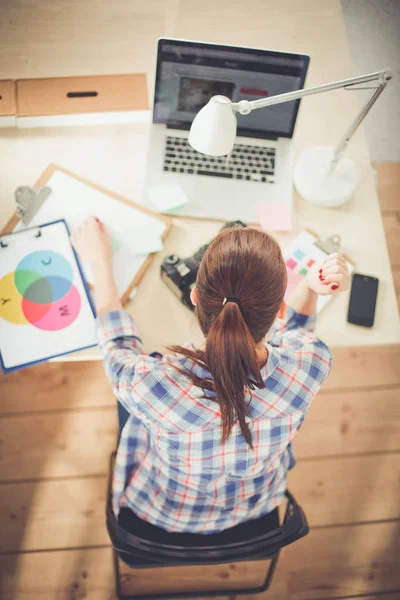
266,543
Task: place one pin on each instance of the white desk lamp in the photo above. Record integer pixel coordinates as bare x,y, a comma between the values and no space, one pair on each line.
322,175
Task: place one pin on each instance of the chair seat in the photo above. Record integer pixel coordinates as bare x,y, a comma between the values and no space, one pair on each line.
162,547
238,534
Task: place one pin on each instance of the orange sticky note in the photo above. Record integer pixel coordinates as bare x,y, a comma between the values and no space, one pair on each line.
275,216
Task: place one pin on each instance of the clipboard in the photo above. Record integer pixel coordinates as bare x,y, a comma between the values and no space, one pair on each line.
30,201
45,291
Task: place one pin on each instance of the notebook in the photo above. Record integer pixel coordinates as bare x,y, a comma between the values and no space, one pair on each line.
45,305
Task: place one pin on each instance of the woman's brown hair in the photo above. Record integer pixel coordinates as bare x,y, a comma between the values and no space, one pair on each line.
247,265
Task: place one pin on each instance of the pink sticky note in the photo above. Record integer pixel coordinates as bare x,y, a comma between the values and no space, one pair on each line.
293,280
275,216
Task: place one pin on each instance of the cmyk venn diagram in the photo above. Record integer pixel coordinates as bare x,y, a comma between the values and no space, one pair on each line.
40,292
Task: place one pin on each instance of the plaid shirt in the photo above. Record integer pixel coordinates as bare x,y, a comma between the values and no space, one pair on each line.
172,469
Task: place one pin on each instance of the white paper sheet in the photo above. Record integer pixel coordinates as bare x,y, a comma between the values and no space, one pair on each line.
44,309
73,201
143,239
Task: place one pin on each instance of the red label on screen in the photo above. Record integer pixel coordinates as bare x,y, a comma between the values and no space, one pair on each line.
253,92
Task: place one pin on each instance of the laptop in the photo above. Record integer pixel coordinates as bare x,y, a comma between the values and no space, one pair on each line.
259,169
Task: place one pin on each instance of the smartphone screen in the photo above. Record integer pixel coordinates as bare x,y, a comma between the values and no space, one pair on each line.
364,290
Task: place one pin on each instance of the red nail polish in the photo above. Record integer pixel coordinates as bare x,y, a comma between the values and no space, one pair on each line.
320,270
334,287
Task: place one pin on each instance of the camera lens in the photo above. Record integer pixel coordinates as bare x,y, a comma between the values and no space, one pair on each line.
172,259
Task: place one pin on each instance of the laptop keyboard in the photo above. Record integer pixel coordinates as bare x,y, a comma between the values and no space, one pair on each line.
249,163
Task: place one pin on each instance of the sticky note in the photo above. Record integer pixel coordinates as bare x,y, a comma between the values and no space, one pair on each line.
291,263
136,239
166,196
275,216
299,254
115,244
142,240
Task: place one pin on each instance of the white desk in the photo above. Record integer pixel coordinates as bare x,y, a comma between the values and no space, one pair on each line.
114,156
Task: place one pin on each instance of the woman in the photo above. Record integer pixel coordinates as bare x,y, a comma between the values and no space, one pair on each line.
207,442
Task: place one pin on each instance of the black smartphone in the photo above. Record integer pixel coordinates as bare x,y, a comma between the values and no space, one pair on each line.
364,290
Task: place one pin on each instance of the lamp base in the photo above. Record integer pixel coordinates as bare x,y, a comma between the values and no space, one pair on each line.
317,183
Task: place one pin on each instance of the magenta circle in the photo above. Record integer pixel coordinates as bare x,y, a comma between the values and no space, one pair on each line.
61,313
33,311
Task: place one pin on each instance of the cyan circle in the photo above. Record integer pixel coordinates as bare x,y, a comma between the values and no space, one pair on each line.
46,263
59,287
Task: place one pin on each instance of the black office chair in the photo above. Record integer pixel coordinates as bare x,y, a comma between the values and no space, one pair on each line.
142,545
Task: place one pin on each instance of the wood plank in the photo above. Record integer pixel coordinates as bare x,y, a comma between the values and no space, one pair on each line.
343,423
337,491
87,573
348,490
396,279
391,225
364,367
58,386
78,443
7,97
110,32
55,386
384,596
68,575
57,445
342,561
388,185
53,514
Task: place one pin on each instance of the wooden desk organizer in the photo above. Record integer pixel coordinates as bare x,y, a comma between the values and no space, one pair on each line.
8,104
54,101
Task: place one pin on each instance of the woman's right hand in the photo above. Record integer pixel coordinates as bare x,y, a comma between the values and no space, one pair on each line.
329,277
93,244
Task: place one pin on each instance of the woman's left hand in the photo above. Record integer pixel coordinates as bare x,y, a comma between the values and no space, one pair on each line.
92,243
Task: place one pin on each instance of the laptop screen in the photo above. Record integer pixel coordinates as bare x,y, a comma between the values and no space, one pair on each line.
189,73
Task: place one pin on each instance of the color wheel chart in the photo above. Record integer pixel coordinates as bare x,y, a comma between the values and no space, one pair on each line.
46,310
40,292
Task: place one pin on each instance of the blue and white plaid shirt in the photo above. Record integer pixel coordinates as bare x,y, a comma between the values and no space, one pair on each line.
172,469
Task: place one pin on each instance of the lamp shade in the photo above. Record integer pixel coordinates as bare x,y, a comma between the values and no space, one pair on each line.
213,130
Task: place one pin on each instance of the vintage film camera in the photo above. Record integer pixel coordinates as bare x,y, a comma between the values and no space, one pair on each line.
180,273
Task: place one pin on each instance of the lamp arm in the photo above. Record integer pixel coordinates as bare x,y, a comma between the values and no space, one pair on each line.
244,107
342,145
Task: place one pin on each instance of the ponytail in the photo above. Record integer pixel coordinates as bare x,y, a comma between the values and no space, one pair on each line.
244,266
231,356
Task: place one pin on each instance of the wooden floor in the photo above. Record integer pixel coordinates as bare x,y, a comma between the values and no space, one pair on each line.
58,427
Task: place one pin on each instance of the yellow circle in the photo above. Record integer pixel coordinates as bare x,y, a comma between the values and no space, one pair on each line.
11,301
